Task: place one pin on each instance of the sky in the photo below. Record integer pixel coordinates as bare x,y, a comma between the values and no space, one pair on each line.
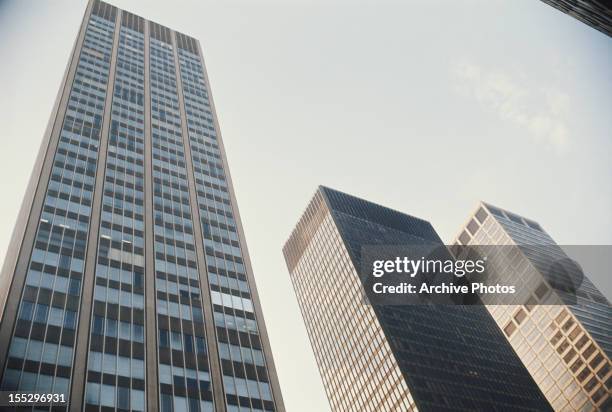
423,106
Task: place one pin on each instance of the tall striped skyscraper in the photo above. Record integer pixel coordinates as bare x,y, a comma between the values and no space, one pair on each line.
127,285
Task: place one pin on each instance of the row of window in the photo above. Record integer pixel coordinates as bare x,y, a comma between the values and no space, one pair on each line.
174,246
115,397
117,329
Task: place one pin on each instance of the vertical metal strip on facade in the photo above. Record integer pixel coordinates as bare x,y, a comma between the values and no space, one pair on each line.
152,385
209,323
84,320
263,334
15,267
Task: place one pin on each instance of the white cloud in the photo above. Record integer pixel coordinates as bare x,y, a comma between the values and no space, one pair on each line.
542,111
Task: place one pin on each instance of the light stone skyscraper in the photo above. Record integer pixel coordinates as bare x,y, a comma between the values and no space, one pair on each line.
561,327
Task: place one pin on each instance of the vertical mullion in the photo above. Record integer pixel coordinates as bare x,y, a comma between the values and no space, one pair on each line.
151,351
85,311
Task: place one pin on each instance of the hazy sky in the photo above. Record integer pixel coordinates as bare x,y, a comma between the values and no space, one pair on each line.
423,106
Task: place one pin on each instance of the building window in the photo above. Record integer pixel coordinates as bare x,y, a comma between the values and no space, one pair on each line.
509,329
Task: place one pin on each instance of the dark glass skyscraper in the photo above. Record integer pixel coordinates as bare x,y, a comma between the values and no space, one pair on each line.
595,13
127,285
394,358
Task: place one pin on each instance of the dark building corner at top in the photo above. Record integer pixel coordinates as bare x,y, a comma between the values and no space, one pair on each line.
127,284
394,358
595,13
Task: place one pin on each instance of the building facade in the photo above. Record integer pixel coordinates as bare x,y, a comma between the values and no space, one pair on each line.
127,285
564,339
595,13
394,358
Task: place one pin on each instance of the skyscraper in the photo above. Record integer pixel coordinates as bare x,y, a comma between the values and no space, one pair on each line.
394,358
127,285
563,336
